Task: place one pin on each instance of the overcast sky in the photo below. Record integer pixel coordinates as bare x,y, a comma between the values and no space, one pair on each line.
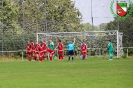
100,10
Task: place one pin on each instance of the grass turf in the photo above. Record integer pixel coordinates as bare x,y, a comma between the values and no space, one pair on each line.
90,73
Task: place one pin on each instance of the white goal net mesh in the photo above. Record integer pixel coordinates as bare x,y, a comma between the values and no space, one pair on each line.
95,40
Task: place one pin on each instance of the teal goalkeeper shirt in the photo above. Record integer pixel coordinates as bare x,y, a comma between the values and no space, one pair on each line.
71,46
51,46
110,47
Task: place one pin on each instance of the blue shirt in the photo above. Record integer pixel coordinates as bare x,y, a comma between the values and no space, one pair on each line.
71,46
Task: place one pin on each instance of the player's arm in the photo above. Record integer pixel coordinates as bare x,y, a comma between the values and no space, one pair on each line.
86,48
68,46
56,46
46,44
108,47
62,46
74,40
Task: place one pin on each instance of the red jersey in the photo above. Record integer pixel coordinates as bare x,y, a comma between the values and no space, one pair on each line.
83,47
44,45
60,46
32,45
28,47
39,48
34,49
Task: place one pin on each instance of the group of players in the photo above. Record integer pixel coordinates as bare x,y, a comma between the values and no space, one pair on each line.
41,51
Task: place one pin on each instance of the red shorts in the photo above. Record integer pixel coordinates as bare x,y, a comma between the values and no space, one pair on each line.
60,52
29,52
36,52
41,53
33,51
84,53
45,51
51,54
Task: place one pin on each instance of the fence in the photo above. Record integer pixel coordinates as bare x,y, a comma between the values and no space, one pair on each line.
127,51
14,35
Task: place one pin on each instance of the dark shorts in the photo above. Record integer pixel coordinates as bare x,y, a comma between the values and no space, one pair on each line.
70,52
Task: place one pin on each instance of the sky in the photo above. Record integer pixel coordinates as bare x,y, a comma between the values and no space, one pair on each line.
100,10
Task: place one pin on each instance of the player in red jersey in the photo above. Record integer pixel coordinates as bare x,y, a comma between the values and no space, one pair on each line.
44,47
32,47
51,53
60,48
83,49
40,50
35,51
29,51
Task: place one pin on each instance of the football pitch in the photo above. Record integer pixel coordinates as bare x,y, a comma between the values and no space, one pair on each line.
90,73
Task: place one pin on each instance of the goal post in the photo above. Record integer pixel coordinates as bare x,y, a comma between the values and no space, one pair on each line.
96,40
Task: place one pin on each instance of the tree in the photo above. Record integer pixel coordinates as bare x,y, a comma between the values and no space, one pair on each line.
9,12
126,27
88,27
64,14
102,26
23,18
54,15
9,20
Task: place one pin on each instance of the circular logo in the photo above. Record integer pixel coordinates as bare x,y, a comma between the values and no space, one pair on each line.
121,8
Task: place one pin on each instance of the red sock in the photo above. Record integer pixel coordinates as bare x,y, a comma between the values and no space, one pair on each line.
51,56
62,57
40,58
35,57
29,58
59,57
83,57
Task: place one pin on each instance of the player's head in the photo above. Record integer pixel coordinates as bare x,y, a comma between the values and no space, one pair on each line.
70,42
31,40
28,42
36,42
82,40
50,40
59,40
42,41
109,40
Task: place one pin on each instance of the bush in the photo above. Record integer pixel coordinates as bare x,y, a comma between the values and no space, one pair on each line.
130,51
124,56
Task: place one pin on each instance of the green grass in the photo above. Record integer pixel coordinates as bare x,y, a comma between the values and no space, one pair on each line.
90,73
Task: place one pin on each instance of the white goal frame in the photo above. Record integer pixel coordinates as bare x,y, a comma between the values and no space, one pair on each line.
116,33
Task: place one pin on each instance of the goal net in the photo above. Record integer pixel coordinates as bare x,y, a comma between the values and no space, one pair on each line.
95,40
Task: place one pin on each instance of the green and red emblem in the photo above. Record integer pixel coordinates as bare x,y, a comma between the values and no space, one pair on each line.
121,9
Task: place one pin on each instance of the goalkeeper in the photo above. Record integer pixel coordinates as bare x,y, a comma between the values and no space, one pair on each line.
110,50
51,46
